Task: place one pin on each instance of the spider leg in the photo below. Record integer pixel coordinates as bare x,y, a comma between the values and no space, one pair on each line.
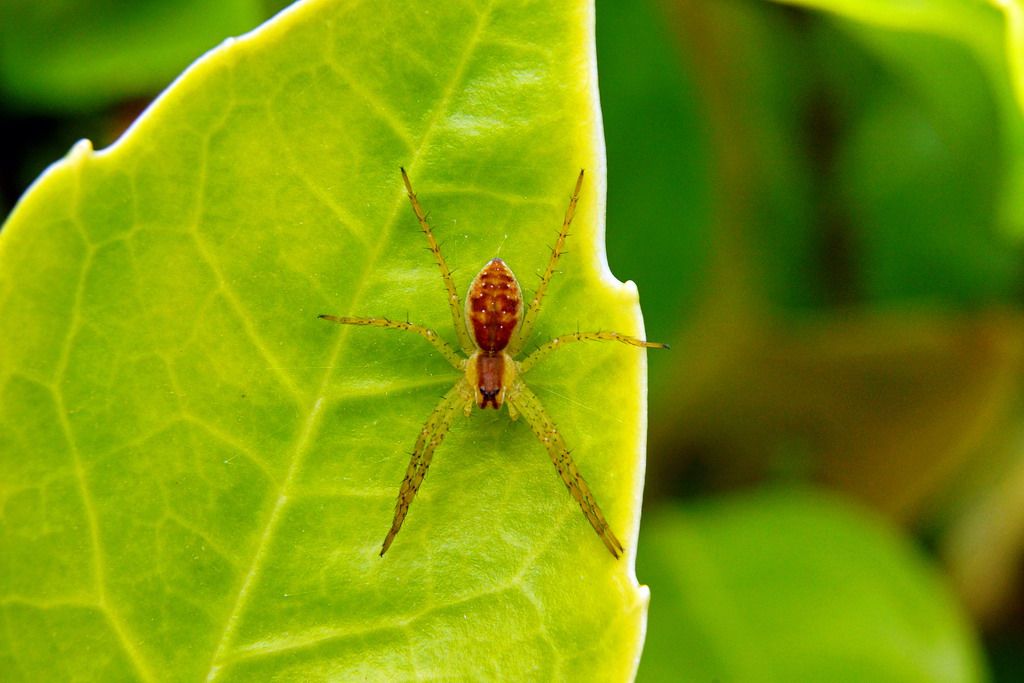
523,334
431,436
454,303
529,406
559,342
440,344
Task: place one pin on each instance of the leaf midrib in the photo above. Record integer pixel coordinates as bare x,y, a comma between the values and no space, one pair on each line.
315,412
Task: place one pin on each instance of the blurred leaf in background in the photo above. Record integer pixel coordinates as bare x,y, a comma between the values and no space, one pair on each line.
790,585
85,68
852,314
73,55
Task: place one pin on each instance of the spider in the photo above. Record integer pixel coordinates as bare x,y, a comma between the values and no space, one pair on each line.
491,337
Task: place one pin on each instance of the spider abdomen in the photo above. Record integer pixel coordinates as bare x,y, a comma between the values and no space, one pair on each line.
493,306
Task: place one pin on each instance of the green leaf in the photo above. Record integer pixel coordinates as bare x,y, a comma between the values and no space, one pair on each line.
992,32
107,51
922,170
658,155
796,586
196,474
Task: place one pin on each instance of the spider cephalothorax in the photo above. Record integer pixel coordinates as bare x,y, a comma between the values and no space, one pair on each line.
491,334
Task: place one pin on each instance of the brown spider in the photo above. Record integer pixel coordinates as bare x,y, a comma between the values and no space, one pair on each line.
491,376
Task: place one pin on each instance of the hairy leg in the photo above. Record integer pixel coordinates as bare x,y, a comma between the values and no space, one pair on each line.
441,345
431,436
523,334
558,342
526,403
454,303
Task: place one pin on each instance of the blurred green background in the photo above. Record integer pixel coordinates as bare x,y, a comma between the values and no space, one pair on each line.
822,209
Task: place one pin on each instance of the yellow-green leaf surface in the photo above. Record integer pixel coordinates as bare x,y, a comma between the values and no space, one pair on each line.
196,474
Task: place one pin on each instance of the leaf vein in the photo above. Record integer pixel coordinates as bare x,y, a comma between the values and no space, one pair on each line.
220,655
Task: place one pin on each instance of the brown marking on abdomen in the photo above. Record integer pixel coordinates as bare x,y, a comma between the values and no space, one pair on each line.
493,306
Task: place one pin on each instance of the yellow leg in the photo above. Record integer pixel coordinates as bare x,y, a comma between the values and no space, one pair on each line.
525,403
431,436
454,303
533,310
441,345
559,342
